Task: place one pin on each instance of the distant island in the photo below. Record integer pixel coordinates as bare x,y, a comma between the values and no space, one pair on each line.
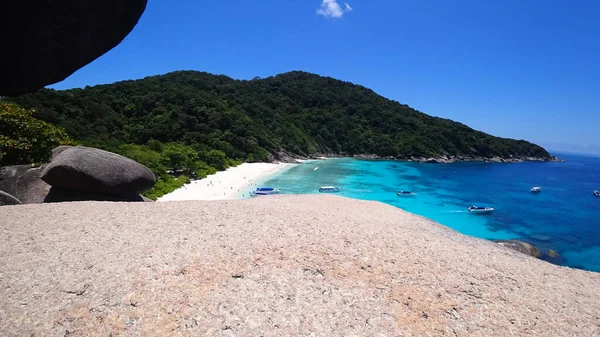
194,123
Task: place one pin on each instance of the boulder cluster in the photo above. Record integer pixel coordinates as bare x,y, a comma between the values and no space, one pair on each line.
76,174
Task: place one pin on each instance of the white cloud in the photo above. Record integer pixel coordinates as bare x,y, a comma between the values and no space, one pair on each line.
332,9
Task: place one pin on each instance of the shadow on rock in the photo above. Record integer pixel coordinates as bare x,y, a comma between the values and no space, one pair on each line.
50,40
58,194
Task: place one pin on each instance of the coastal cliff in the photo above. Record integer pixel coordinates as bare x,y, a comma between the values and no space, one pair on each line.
300,265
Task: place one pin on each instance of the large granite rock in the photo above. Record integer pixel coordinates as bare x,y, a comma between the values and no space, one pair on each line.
58,194
94,170
48,40
24,183
7,199
520,246
58,150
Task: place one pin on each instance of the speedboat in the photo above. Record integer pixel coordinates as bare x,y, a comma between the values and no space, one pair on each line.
480,210
597,193
536,189
329,189
265,191
405,193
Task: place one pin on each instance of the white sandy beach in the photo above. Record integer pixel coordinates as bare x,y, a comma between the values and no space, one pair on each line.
233,183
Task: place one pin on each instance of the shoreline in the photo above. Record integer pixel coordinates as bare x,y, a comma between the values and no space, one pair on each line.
286,157
233,183
433,160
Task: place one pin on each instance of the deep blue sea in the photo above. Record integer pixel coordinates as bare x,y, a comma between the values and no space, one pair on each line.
564,217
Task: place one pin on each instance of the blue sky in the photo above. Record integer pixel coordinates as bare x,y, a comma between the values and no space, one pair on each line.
525,69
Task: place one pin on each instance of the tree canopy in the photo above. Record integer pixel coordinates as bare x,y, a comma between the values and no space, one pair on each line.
25,139
220,118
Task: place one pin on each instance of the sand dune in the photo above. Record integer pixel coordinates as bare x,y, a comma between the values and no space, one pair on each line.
273,266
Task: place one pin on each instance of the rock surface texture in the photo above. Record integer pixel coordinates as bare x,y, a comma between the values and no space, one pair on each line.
77,174
49,40
520,246
24,183
275,266
98,171
58,150
7,199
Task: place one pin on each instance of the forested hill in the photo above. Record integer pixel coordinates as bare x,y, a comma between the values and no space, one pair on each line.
297,112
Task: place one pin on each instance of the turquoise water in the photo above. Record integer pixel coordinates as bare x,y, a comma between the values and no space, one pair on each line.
564,217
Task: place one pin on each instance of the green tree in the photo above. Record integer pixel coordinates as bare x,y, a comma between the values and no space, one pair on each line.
296,112
217,159
180,158
25,139
145,156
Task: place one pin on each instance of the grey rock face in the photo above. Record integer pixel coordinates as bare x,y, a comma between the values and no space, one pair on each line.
24,183
7,199
58,150
88,169
50,40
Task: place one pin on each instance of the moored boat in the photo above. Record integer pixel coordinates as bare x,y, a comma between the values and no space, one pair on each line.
597,193
480,210
329,189
536,189
265,191
405,193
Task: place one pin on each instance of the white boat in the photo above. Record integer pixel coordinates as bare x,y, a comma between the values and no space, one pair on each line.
480,210
406,193
597,193
265,191
329,189
536,189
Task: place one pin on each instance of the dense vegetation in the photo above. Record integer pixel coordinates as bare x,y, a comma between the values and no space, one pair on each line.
188,122
25,139
173,163
298,112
